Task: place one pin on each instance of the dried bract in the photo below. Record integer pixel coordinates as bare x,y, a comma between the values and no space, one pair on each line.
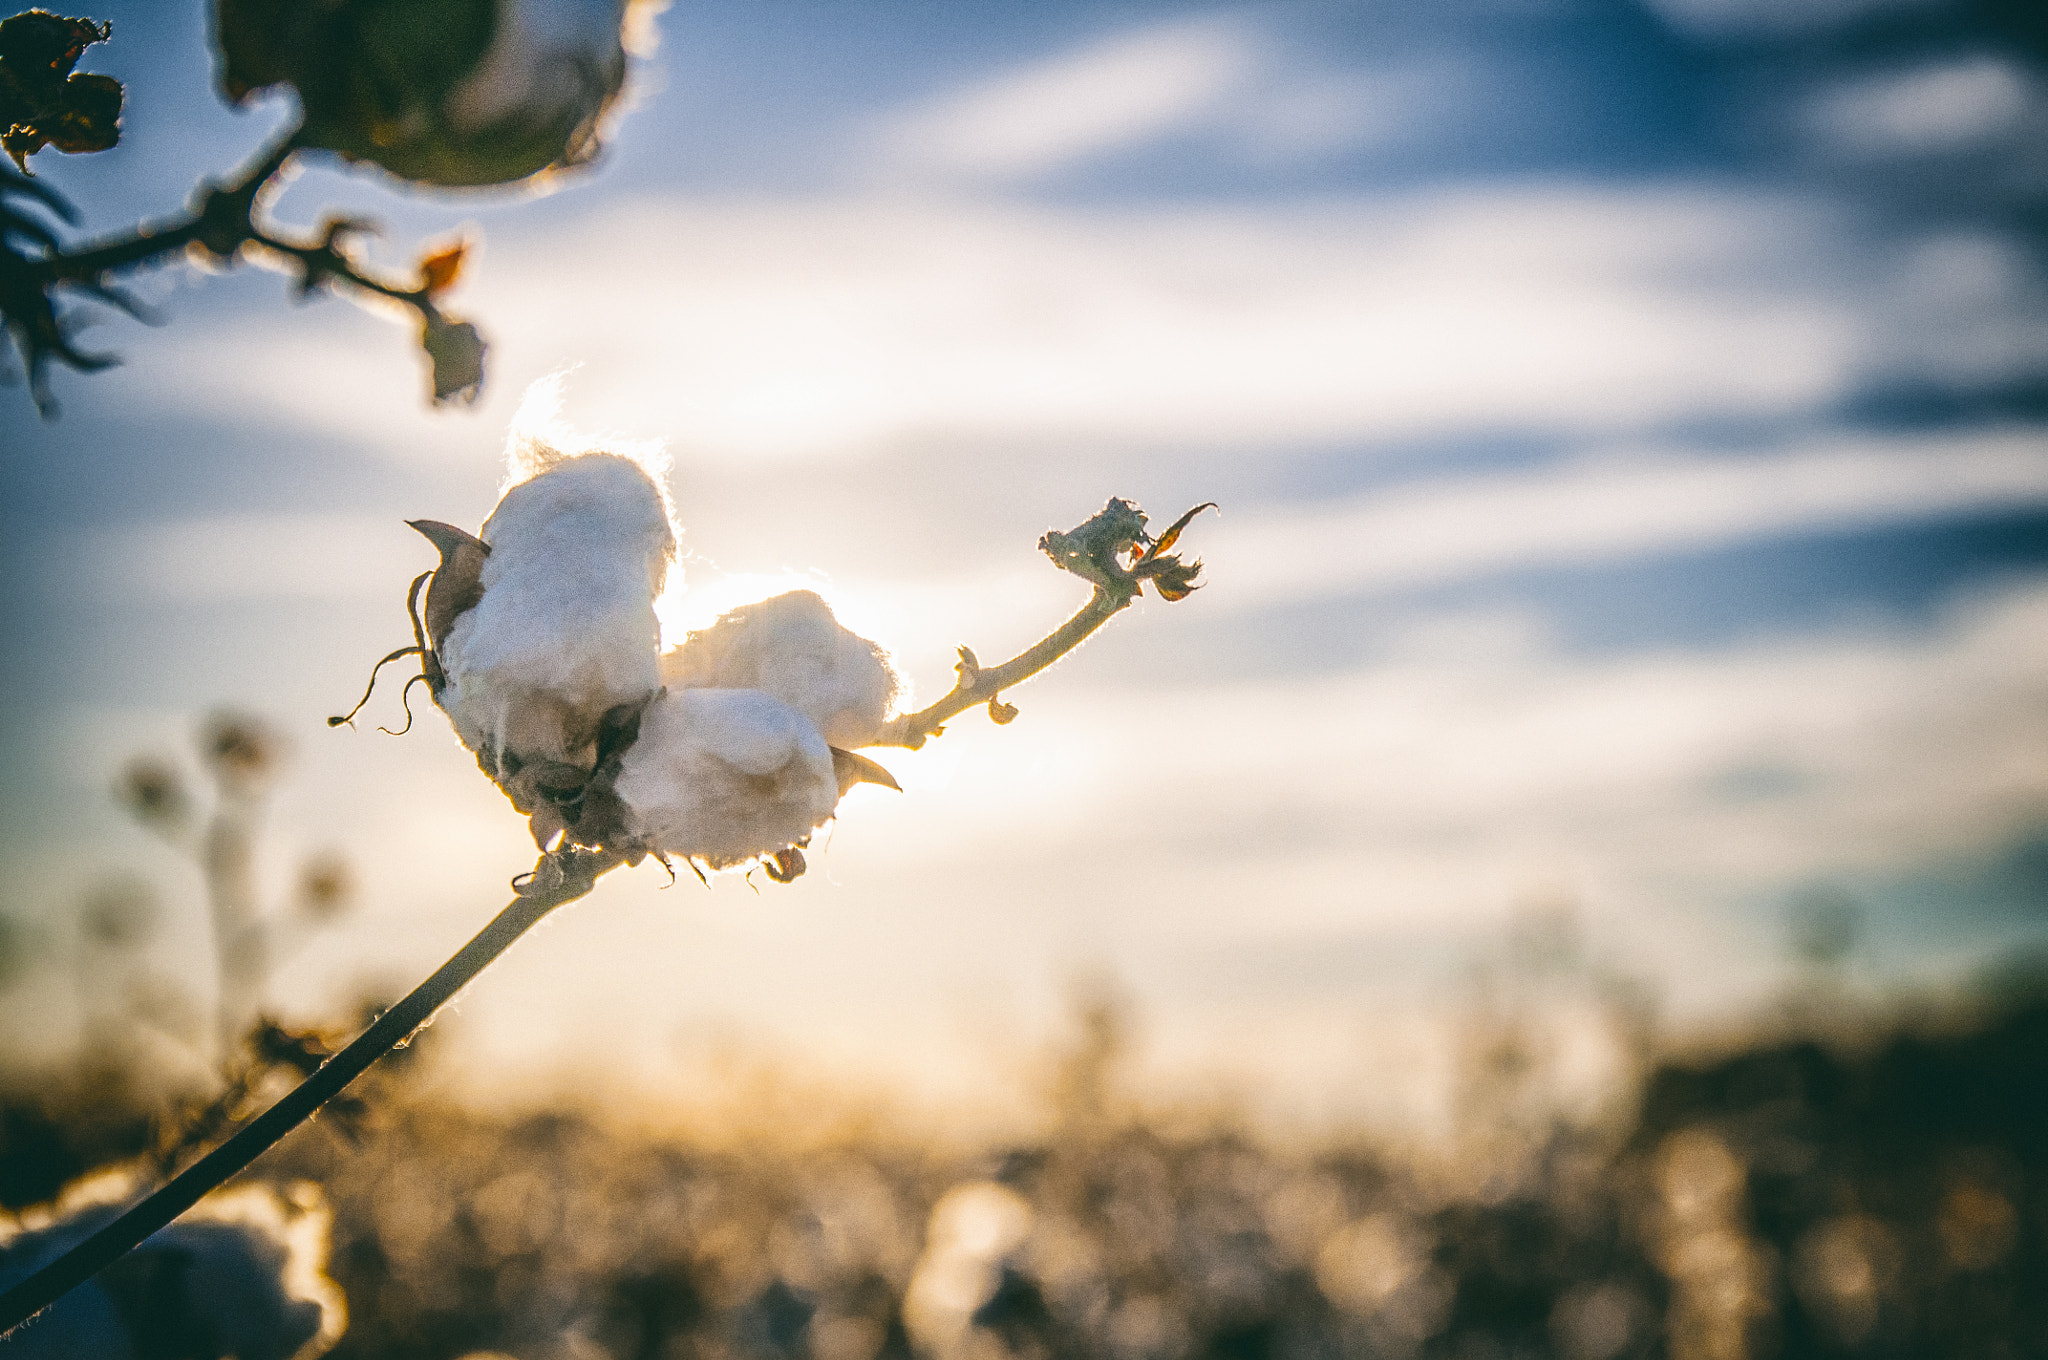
455,351
42,101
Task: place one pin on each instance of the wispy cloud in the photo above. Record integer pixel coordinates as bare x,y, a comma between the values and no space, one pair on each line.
218,558
1117,92
1943,107
1775,18
830,328
1614,506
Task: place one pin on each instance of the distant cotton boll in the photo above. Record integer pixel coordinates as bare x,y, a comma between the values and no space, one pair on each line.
547,57
726,775
565,629
243,1276
445,92
793,648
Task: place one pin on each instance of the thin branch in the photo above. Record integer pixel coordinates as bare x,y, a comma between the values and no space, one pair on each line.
223,221
979,686
1111,550
557,879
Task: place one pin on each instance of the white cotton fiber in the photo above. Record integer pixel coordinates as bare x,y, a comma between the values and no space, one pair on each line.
792,647
725,776
565,629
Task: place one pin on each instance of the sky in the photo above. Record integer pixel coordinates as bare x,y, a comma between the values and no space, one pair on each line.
1627,420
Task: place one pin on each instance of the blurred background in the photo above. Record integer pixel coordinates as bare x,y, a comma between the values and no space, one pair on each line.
1565,886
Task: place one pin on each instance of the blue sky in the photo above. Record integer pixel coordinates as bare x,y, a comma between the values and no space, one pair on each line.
1628,419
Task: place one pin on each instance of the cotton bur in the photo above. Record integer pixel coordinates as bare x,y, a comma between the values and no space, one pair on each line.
539,641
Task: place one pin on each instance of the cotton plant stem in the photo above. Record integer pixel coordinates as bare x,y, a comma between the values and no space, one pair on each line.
556,880
228,855
226,208
224,220
983,686
1112,551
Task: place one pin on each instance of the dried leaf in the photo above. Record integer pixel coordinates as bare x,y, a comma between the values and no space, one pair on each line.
785,865
21,141
1172,535
89,118
1177,581
38,49
457,353
41,102
440,270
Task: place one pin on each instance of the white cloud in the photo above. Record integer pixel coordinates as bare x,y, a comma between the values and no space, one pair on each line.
299,556
1116,92
1302,114
1611,507
1604,507
838,328
1968,307
1946,107
1774,18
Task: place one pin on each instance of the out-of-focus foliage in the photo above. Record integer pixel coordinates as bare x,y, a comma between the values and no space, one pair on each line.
164,1068
1782,1200
43,101
1844,1185
242,1277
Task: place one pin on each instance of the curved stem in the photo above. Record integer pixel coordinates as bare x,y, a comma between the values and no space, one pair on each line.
1111,551
556,879
979,686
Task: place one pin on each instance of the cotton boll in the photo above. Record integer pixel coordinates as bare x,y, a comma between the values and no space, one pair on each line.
725,776
793,648
446,92
564,631
242,1276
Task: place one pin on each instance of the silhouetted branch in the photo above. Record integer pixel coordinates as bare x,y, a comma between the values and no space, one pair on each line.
225,223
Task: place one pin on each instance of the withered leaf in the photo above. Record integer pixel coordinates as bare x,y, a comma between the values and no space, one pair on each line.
440,270
88,119
457,354
1165,542
785,865
41,102
1177,581
38,48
